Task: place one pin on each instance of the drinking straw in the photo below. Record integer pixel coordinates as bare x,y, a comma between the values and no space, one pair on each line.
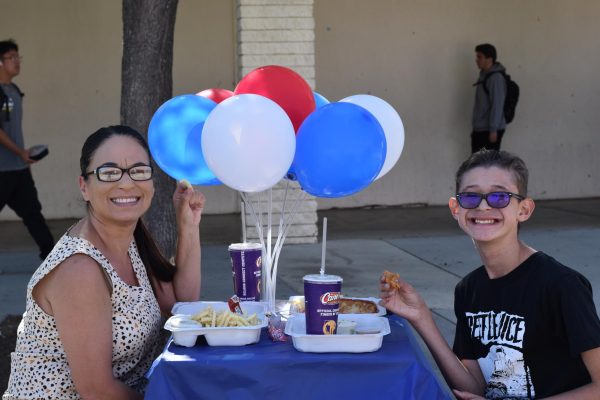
243,222
324,245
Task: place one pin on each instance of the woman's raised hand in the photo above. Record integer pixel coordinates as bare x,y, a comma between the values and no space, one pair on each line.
188,204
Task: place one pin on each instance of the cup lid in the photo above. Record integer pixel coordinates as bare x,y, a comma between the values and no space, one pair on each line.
245,246
318,278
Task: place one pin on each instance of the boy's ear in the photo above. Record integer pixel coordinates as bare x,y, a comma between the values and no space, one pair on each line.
83,188
526,208
454,207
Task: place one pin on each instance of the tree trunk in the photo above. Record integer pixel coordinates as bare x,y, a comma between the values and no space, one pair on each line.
147,82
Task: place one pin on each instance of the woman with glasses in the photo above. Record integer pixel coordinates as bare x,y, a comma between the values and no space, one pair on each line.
93,313
526,325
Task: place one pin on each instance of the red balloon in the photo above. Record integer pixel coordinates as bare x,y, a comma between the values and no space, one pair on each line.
282,85
217,95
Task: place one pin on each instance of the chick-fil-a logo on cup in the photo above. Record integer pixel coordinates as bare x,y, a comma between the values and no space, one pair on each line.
330,298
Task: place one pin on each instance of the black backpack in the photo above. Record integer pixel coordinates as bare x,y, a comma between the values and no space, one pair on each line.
512,95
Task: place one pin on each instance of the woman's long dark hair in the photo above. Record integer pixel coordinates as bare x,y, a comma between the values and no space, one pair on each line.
155,263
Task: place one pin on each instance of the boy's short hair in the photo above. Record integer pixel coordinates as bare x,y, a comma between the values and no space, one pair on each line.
488,50
493,158
8,45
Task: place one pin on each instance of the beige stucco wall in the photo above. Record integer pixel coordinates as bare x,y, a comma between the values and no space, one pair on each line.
71,78
417,55
71,75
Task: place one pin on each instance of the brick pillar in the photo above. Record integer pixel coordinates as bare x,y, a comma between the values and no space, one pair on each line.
279,32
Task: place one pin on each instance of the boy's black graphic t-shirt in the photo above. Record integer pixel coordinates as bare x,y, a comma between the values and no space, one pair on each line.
527,329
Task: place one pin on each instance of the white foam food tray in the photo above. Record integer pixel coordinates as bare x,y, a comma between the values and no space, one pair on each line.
375,328
185,330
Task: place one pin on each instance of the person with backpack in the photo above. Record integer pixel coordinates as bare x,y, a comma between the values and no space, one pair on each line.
17,188
494,100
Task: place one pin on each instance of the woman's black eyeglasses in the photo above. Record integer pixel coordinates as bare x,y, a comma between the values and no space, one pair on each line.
107,173
471,200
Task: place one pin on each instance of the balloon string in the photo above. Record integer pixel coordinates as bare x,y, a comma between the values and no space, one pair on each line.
267,252
260,210
246,199
290,221
282,212
279,247
271,254
282,215
279,241
267,264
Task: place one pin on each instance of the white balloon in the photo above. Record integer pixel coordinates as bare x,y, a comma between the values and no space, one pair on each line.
248,142
391,123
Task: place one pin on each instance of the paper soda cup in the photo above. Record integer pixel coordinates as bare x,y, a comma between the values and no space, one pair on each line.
246,267
321,303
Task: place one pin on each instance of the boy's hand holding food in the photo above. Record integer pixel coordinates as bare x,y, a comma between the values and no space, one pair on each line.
401,298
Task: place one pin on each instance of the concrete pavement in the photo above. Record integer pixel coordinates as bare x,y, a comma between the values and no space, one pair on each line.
423,244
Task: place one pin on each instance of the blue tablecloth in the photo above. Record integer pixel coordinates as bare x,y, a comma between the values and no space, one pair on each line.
268,370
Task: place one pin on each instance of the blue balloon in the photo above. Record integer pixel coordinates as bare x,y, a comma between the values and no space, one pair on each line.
175,135
340,149
320,100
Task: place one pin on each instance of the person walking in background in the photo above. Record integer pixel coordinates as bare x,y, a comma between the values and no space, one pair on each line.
17,188
488,112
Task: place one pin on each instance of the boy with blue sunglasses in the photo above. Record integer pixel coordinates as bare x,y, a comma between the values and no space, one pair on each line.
526,326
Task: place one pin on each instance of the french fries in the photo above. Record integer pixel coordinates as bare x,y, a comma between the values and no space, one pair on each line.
209,318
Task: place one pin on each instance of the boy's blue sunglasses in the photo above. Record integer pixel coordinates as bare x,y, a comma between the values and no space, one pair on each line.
471,200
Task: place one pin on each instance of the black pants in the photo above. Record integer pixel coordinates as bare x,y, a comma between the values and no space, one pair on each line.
481,139
18,191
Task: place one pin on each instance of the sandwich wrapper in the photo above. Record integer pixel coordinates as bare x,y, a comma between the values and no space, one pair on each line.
38,152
